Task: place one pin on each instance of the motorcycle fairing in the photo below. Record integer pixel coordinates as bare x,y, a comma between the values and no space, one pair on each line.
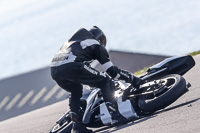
175,65
104,114
92,100
125,108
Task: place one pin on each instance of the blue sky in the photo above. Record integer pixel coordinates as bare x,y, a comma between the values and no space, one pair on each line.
32,31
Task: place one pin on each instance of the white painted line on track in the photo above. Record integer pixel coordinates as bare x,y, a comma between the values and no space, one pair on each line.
13,101
50,94
60,94
25,99
3,102
38,95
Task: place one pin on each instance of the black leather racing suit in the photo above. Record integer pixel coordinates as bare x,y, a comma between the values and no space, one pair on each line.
70,70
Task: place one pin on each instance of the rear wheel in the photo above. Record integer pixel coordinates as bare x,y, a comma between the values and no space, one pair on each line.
164,92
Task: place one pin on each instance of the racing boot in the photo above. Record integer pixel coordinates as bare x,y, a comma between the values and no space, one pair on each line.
117,118
78,126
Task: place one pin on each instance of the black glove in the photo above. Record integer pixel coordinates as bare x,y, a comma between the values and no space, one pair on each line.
135,81
130,78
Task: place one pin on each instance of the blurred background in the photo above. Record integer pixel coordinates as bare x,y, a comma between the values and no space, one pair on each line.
139,34
32,31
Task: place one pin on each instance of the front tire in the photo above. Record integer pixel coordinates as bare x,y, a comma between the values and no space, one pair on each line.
63,126
173,86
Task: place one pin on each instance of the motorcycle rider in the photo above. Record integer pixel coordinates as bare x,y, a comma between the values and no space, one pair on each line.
70,69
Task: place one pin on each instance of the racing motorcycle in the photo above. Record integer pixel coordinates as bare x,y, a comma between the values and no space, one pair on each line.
162,85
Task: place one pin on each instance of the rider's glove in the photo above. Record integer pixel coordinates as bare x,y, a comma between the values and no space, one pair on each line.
135,81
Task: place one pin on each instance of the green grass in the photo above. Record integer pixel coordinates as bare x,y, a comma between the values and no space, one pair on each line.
194,53
142,71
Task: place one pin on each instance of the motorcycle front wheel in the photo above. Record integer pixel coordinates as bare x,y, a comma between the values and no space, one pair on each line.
164,92
62,126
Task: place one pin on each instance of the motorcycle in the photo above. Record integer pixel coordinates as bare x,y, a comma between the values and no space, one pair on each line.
162,85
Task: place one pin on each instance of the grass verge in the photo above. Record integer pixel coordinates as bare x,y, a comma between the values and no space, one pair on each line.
146,68
194,53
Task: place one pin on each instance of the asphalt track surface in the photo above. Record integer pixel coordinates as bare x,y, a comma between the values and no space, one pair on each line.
183,116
